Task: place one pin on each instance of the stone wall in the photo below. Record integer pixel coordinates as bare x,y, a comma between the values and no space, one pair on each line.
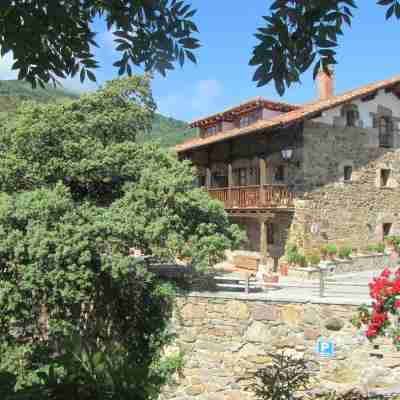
224,341
345,213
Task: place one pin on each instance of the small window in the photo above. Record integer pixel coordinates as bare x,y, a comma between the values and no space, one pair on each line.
270,234
249,118
386,230
347,172
385,175
351,117
213,129
385,125
280,173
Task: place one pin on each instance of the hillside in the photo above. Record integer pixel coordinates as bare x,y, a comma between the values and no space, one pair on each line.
167,131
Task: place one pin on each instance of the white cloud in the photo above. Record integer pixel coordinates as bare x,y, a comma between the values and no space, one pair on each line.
6,63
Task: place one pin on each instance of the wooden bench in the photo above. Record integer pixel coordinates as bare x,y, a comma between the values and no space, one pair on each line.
247,263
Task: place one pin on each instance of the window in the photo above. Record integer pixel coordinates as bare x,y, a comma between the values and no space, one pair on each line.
385,126
270,234
250,118
351,118
280,173
347,172
385,175
213,129
386,229
350,113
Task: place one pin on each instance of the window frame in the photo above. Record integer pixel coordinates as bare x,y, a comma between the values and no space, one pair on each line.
384,180
281,177
347,177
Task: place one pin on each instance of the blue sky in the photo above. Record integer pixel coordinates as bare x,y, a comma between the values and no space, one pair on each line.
222,78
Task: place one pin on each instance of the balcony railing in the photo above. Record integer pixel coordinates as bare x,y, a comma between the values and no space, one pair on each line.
252,197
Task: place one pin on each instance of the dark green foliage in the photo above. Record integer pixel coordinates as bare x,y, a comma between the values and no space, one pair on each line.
166,131
298,34
54,38
76,192
282,378
345,251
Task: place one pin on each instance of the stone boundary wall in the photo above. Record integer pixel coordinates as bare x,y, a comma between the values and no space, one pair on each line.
372,262
224,341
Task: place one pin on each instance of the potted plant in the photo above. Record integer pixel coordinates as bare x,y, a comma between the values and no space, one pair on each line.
313,260
331,251
345,252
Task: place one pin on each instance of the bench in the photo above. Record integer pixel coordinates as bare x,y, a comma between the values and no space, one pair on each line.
247,263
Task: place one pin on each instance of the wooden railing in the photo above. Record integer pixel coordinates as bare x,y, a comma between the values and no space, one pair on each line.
265,196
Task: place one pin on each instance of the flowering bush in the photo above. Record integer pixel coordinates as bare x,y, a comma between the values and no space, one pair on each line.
384,317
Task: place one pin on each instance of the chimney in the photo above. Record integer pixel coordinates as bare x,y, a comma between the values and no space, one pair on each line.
324,84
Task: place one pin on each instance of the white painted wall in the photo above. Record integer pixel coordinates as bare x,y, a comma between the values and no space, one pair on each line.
365,108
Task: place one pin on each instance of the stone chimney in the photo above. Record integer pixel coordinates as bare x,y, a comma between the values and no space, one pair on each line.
324,84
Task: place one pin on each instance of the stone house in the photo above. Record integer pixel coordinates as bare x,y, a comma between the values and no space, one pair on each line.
324,172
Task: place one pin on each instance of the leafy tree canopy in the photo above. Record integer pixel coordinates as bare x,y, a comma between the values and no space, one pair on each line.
54,37
76,193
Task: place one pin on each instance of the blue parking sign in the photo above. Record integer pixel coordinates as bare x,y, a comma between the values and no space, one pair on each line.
325,347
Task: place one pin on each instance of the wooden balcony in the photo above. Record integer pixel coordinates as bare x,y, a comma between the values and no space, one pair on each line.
254,197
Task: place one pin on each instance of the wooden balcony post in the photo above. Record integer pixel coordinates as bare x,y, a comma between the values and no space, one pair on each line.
263,179
263,242
208,177
230,183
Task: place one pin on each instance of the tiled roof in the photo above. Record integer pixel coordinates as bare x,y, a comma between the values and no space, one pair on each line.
307,111
243,107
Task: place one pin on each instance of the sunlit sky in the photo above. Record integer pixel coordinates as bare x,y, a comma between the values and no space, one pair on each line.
222,78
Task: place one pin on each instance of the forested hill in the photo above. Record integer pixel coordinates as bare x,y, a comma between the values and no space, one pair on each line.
167,131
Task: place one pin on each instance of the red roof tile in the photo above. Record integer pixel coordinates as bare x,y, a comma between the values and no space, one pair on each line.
307,111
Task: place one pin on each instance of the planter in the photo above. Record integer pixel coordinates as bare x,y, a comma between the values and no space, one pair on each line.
271,278
284,269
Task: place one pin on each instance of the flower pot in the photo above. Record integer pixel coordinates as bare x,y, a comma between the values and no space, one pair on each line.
284,269
271,278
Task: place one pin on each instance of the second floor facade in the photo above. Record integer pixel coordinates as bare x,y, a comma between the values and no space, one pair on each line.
263,161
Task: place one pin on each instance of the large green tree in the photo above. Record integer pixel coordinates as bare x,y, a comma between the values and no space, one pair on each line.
77,192
53,37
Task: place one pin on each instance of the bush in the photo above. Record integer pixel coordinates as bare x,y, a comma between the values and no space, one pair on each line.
345,252
294,257
282,378
331,249
376,247
313,259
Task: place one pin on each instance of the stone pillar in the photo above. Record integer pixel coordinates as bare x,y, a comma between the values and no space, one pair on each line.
208,177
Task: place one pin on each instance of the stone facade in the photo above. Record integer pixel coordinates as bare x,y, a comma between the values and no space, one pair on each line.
224,341
346,212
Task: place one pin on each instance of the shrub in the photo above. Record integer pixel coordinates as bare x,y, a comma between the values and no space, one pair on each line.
345,252
294,257
282,378
331,249
376,247
313,259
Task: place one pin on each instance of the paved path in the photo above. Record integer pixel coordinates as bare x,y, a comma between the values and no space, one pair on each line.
351,288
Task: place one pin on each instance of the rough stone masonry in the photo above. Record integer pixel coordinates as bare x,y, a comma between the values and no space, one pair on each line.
224,341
